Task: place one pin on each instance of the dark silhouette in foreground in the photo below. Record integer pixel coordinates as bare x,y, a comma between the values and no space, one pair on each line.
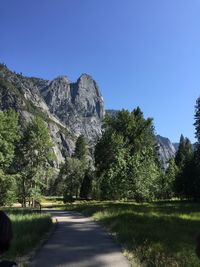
198,246
6,235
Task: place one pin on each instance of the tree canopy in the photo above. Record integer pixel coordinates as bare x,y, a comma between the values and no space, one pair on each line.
125,157
8,137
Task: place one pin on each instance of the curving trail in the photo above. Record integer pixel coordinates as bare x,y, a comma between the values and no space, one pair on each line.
79,242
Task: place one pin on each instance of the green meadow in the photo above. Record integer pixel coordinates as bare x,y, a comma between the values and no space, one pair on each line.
29,229
160,234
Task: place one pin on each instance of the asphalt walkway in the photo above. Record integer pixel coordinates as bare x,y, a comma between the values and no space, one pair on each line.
78,241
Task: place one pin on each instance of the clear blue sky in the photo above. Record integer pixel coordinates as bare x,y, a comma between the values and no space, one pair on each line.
140,52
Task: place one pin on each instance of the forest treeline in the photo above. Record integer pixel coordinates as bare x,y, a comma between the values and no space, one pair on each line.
124,164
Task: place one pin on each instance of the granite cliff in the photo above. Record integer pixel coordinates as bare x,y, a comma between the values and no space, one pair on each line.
166,150
68,108
78,105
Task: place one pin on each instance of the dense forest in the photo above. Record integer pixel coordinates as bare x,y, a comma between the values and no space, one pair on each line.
123,165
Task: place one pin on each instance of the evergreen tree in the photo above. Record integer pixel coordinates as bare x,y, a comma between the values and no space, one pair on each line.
183,159
110,160
169,180
187,182
81,152
197,121
80,148
180,153
194,166
197,133
184,152
70,177
86,186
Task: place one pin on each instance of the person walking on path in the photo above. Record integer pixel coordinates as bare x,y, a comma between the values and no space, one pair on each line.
6,235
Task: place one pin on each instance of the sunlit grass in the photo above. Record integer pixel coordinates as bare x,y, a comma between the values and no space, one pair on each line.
29,228
52,201
158,234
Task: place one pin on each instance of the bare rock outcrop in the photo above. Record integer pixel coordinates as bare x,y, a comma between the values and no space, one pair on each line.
69,109
166,150
78,105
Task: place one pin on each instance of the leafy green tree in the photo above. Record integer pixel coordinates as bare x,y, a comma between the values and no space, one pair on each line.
125,157
136,131
169,177
107,149
110,155
143,176
34,155
70,177
73,179
8,137
7,188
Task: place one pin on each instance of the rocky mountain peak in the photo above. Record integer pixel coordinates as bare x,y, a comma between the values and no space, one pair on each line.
85,78
86,83
69,108
78,105
62,79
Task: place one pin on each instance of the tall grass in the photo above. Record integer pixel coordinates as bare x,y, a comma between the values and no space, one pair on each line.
159,234
29,228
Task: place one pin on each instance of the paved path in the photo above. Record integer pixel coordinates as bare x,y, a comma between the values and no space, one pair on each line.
79,242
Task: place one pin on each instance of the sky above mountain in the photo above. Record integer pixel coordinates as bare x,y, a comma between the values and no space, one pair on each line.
141,53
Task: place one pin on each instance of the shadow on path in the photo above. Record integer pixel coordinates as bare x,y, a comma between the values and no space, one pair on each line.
79,242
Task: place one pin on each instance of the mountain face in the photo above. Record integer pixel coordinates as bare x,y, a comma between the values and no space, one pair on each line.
176,145
78,105
166,150
68,108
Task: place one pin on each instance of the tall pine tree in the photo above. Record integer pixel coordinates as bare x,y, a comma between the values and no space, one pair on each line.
195,181
80,148
184,159
197,120
184,152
